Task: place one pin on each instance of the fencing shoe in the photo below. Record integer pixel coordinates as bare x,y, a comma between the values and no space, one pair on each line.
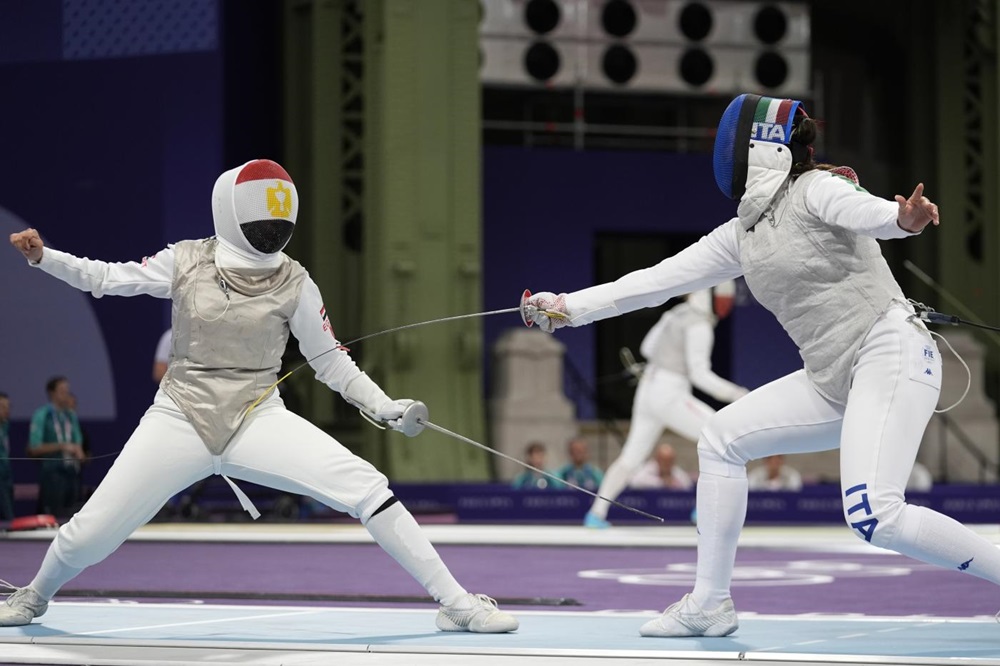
476,613
21,607
686,618
595,522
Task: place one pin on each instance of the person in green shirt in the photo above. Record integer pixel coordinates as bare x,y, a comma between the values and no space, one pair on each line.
6,478
56,438
529,479
579,471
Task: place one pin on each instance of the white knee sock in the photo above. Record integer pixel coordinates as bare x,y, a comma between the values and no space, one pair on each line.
399,535
615,480
52,575
934,538
722,508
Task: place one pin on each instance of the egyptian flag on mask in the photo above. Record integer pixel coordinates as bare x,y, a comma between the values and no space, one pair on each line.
266,205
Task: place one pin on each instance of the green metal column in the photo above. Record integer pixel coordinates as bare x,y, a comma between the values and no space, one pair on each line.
968,115
422,226
322,142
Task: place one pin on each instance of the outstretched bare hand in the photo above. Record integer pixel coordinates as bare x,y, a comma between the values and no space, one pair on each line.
916,212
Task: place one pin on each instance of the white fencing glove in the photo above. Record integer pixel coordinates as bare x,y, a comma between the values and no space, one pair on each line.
391,413
547,310
366,395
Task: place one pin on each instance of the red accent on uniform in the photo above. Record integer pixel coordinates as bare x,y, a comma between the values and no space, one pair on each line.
262,170
322,311
848,173
783,109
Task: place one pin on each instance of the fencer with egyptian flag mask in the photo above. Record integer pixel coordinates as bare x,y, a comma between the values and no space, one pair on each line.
236,297
254,208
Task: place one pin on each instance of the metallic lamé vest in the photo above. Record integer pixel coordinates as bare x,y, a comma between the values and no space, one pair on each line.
826,285
222,364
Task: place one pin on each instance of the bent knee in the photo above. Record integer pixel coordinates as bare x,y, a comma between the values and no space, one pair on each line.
716,456
377,496
872,518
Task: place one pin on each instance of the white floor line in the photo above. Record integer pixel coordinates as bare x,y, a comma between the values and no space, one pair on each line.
835,539
197,622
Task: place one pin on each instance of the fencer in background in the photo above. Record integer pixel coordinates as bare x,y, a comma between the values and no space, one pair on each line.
161,358
236,297
805,240
678,353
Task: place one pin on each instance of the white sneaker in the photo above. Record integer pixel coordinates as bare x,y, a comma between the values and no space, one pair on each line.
686,618
476,613
21,607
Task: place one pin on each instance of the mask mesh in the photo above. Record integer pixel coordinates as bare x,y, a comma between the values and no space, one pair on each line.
268,236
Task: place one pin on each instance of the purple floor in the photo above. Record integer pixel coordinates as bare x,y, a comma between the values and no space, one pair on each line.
767,581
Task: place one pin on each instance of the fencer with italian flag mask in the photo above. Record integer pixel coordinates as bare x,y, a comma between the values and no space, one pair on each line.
805,241
754,171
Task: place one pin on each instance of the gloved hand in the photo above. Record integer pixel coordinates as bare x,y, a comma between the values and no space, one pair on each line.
632,366
375,405
636,369
547,310
737,394
391,413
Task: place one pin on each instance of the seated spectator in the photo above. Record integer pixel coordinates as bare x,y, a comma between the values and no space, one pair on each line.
920,479
534,455
55,436
774,474
579,471
662,471
6,479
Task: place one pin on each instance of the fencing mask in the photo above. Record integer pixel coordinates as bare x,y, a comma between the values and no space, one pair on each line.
716,302
754,152
254,207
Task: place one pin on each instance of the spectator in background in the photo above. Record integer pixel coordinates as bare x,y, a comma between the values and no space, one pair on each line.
774,474
6,478
56,438
579,471
534,455
662,471
162,357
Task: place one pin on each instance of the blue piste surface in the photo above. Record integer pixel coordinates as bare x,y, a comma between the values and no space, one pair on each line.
541,633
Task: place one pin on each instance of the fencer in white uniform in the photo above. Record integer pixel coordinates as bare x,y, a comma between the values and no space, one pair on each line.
236,297
678,353
805,241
